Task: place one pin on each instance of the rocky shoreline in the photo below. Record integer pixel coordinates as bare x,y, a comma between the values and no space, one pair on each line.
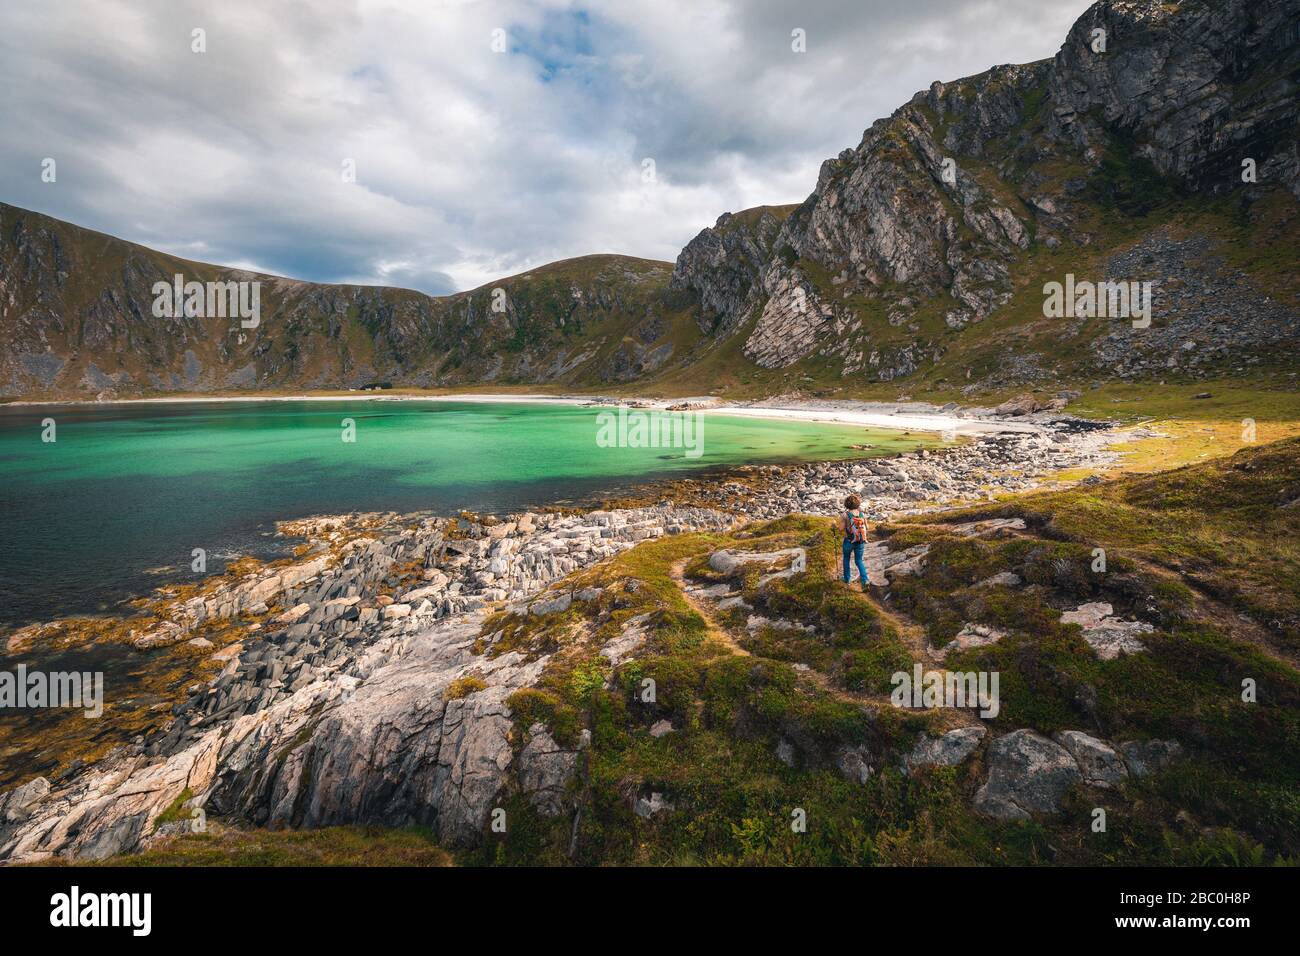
334,706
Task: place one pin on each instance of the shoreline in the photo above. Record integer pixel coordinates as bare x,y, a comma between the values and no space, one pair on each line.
896,416
742,488
263,645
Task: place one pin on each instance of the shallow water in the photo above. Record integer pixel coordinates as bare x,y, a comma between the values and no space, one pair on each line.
118,502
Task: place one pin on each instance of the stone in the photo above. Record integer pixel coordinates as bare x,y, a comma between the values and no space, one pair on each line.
947,750
551,605
971,635
1100,765
1024,404
633,635
727,562
545,769
17,805
785,752
660,728
416,595
1006,579
1027,774
227,653
647,808
854,763
1144,757
1106,634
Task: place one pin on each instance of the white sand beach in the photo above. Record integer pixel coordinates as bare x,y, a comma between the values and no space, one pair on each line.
909,416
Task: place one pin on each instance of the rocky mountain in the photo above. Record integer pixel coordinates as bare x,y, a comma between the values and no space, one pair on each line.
943,214
1159,145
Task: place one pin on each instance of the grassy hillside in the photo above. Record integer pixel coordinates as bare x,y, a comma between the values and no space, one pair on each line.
78,322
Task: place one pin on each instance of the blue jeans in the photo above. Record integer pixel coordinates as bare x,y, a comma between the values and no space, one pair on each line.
850,548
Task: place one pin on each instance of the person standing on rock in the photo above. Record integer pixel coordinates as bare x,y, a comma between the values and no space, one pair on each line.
854,525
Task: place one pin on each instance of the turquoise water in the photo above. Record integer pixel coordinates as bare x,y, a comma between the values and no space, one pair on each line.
116,504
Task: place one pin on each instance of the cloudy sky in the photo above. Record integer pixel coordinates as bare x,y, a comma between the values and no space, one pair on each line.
486,137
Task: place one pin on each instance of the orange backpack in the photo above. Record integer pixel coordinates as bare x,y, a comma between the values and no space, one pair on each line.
855,526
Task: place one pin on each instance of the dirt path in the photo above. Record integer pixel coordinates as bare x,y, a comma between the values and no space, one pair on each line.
716,631
720,633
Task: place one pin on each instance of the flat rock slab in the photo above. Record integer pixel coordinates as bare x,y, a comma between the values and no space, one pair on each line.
1006,579
727,561
633,635
970,529
971,635
757,622
714,592
1106,634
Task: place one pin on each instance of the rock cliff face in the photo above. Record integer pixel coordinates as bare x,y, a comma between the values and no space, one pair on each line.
1197,85
345,707
932,213
724,266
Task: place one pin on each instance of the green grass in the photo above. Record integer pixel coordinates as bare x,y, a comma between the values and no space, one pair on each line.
1230,801
330,846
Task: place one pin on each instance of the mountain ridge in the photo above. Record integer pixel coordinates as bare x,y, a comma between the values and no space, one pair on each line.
917,255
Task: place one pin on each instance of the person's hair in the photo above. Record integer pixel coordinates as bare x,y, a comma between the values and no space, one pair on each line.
853,502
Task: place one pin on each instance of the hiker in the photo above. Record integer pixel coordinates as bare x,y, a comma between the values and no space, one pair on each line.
854,525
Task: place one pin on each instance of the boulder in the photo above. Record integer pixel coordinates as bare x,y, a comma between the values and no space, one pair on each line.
1024,404
854,763
1028,774
551,605
945,751
1100,765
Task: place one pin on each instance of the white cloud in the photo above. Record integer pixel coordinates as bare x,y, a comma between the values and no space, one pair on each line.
470,164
